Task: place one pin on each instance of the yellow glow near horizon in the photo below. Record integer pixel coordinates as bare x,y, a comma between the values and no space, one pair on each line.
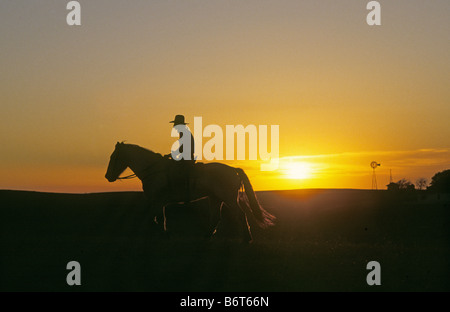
298,170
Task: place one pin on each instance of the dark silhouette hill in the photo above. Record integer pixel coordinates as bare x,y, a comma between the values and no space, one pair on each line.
322,241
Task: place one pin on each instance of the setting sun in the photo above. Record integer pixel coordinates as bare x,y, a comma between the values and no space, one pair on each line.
298,170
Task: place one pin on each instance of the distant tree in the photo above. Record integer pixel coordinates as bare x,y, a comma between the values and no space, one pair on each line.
401,185
440,182
392,187
421,183
405,185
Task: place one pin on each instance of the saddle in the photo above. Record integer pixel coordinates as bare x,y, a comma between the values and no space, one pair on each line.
182,177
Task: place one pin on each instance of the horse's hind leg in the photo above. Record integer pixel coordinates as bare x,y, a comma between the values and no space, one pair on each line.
242,220
246,228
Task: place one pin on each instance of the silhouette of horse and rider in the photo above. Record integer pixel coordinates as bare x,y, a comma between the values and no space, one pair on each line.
167,180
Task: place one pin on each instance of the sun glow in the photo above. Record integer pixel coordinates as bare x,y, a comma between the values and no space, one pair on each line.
298,170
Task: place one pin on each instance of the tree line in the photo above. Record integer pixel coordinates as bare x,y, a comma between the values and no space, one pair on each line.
440,183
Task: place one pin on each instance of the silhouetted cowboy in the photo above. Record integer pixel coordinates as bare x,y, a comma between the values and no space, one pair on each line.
179,121
184,165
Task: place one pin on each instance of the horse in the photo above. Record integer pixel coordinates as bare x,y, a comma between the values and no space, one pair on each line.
227,187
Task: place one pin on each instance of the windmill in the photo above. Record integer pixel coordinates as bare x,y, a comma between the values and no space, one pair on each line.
374,166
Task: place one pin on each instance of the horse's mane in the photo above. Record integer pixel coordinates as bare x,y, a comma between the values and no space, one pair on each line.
150,153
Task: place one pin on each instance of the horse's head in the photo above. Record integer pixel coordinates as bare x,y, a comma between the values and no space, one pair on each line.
117,164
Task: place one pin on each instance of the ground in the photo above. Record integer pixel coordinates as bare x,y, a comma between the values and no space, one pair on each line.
322,241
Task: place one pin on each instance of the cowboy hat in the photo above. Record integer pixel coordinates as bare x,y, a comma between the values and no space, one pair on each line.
179,120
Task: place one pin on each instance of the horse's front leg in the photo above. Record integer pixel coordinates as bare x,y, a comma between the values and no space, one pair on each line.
156,200
156,213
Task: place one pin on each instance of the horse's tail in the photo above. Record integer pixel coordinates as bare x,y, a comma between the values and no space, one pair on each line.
263,218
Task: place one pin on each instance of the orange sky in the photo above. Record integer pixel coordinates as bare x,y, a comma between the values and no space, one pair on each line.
343,93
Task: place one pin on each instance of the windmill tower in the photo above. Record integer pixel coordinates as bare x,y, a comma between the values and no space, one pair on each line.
374,166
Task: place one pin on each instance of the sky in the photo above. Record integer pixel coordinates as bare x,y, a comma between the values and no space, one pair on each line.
343,93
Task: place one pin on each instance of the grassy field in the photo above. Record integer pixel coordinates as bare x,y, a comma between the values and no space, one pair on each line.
322,241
